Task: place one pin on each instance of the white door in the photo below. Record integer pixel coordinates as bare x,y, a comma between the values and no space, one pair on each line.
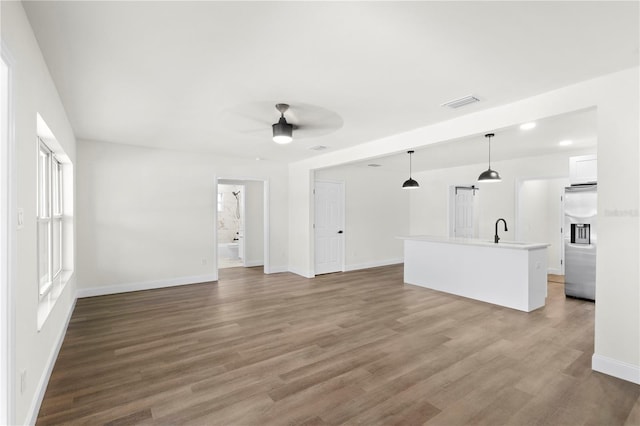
464,225
329,232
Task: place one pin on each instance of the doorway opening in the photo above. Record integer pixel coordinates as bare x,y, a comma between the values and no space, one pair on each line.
242,223
539,216
231,219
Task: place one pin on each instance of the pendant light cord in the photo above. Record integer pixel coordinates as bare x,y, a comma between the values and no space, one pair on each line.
410,164
410,183
489,136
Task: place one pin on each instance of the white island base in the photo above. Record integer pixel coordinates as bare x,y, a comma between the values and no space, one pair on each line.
508,274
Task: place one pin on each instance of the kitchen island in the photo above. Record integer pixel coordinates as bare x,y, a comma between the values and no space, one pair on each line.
510,274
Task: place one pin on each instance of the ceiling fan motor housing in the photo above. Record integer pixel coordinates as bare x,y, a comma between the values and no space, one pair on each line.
282,131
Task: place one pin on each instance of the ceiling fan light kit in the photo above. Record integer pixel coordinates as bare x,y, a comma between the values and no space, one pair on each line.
282,131
410,183
489,175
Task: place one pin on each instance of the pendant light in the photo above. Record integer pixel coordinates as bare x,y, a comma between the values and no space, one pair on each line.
410,183
489,175
282,131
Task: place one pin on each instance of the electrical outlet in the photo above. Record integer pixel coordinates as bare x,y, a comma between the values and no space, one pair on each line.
23,381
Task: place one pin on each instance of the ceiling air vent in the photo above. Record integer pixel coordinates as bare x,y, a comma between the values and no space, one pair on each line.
460,102
374,165
318,148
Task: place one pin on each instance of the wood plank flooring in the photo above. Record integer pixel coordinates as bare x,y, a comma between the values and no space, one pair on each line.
556,278
358,348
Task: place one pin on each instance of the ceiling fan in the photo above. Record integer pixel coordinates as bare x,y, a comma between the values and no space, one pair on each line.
297,120
282,131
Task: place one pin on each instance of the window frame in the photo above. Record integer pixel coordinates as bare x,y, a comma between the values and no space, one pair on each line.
50,210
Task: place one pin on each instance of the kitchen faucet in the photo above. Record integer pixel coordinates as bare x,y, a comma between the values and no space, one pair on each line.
496,238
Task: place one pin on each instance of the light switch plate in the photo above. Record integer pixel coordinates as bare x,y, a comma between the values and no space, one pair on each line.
23,381
20,218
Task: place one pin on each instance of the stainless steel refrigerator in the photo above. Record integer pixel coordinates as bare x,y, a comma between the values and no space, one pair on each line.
580,240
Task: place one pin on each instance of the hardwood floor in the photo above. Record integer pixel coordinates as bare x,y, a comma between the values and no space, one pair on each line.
358,347
556,278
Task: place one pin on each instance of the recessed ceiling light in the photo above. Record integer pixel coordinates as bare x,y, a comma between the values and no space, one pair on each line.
527,126
565,142
374,165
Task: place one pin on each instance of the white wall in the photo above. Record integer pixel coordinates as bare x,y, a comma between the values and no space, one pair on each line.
254,223
430,203
376,212
617,328
149,215
301,217
34,93
540,216
532,211
615,96
375,201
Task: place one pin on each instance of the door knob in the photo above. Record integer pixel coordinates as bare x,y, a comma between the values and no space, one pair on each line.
340,231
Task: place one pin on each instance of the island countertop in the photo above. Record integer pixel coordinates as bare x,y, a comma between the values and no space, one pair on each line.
510,274
503,244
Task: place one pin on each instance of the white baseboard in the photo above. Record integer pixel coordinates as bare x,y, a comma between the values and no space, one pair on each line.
252,263
615,368
352,267
145,285
367,265
277,269
300,272
41,388
554,271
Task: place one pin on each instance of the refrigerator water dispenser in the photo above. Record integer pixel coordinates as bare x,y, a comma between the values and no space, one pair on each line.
580,233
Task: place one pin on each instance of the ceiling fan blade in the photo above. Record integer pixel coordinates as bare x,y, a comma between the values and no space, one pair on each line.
317,123
243,119
242,123
255,130
310,127
256,118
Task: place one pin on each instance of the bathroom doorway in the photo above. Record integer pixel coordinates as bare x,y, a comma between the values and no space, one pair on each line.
241,223
231,217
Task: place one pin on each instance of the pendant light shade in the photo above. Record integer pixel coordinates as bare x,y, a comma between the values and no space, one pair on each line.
410,183
489,175
282,131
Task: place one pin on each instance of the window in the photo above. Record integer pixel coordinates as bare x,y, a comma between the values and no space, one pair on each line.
54,213
50,199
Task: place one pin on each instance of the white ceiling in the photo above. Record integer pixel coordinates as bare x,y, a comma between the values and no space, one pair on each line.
166,74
